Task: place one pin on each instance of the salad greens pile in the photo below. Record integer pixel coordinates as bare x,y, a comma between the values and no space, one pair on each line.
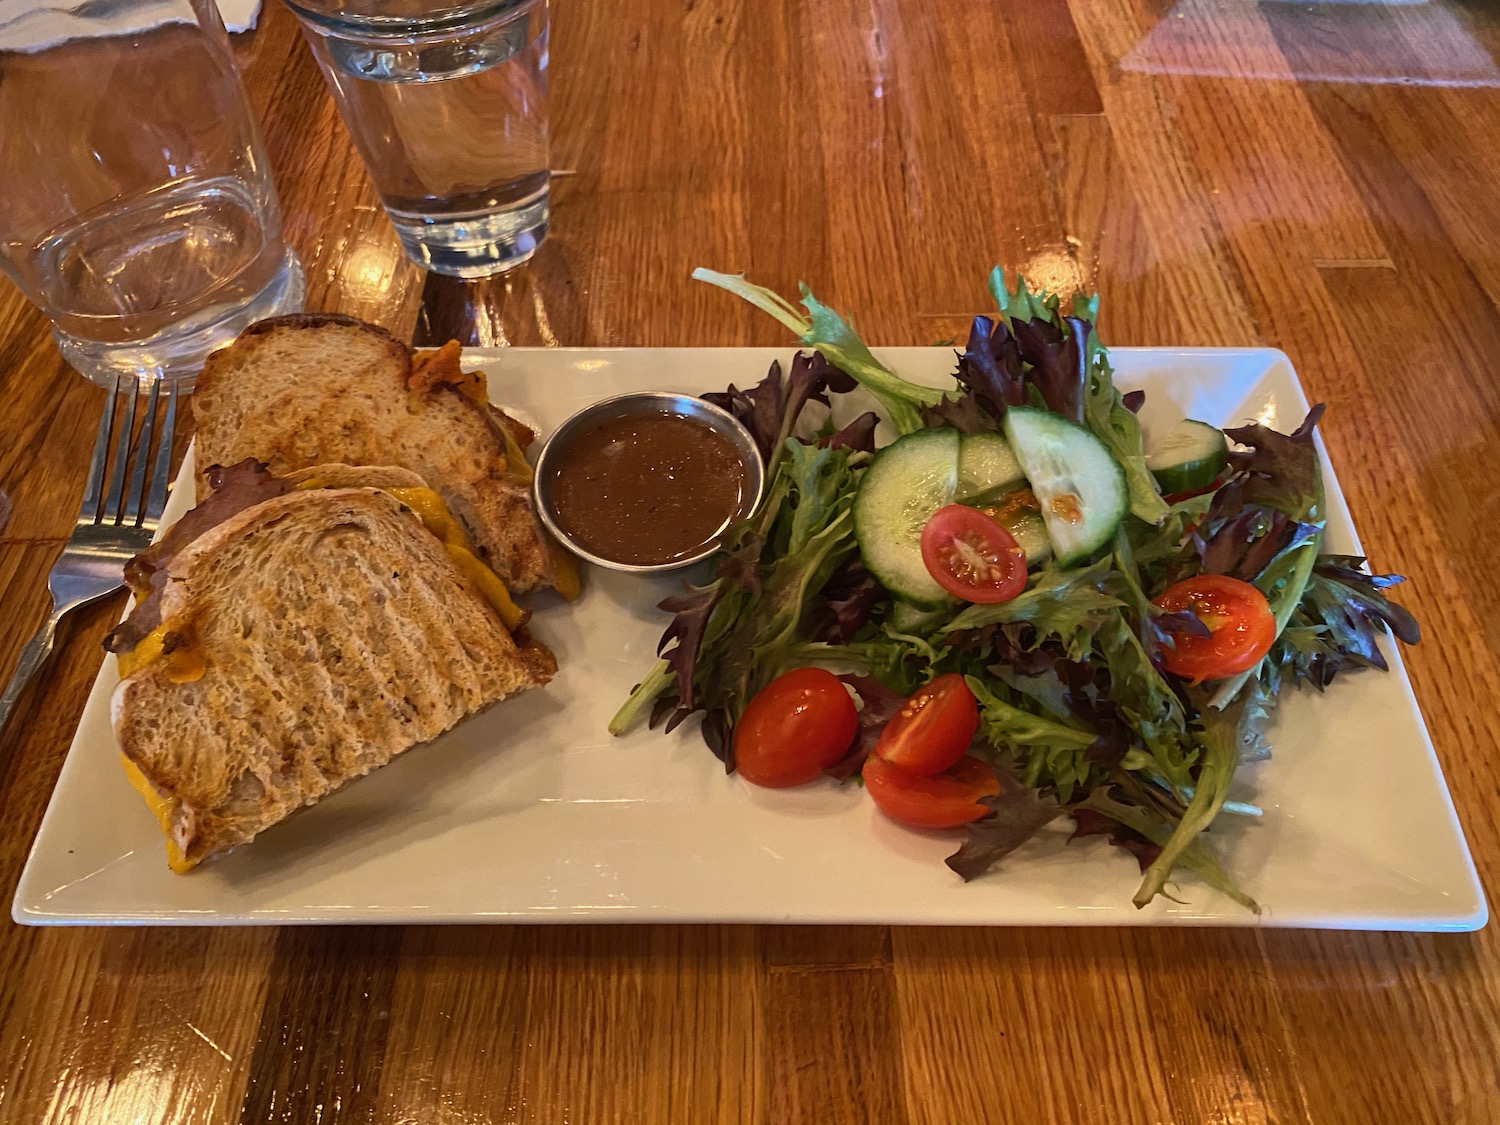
1078,712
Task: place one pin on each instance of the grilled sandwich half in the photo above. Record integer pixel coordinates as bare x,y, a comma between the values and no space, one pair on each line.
302,390
291,634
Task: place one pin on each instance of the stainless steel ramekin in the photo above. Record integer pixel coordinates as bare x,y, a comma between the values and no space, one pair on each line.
631,405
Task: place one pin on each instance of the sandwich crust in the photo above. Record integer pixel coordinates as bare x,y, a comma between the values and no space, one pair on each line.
309,388
335,633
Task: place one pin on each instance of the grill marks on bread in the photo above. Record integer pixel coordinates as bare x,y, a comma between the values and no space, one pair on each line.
302,390
337,635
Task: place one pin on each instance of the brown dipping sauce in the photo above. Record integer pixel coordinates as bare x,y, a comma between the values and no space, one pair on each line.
647,489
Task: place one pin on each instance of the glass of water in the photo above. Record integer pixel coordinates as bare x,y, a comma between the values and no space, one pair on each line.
448,107
138,212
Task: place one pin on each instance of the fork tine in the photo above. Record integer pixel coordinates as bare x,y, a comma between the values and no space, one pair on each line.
123,449
91,491
135,498
161,474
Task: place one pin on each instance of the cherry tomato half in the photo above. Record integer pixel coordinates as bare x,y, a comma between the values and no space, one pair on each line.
971,556
794,728
933,728
1179,497
1240,624
943,801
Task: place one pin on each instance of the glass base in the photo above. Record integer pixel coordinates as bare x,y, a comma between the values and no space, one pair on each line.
473,245
177,354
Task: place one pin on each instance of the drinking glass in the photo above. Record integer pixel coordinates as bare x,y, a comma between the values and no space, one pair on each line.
448,108
139,212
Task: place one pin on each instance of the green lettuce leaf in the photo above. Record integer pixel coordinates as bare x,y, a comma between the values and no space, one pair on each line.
823,329
1116,426
1148,704
1221,740
813,535
1192,855
730,638
641,697
1068,604
1021,303
1046,751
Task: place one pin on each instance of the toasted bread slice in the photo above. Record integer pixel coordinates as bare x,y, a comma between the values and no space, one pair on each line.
303,390
327,630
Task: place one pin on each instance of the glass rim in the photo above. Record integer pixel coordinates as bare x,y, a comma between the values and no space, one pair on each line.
410,24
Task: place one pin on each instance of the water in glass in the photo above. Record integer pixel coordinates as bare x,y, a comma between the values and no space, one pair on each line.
450,115
139,214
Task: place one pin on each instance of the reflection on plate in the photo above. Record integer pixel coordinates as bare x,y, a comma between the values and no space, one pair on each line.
531,812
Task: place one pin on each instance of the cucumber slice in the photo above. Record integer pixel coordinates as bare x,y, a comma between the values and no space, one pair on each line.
906,482
986,464
1024,524
1030,534
915,620
1189,458
1080,486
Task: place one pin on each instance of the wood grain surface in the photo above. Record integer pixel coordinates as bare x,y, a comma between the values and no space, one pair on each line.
1317,177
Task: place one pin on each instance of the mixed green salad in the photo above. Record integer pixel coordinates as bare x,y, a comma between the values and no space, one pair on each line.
1046,618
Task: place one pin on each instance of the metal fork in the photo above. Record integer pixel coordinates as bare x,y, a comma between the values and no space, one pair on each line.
106,536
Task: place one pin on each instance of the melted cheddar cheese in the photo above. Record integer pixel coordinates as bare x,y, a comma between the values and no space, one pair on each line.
185,663
564,570
162,808
513,464
433,513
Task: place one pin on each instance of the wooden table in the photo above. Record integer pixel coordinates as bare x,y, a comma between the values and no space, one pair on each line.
1322,178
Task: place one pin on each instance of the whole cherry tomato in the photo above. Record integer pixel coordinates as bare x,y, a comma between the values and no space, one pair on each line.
794,728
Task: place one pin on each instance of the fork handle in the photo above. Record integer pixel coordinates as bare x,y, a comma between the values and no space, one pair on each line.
32,657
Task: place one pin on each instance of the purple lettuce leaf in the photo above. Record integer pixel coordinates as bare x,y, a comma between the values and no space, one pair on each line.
1337,625
1044,672
1179,623
1016,815
990,368
769,410
716,729
964,414
1281,470
878,704
741,545
1358,593
1089,822
665,709
1058,367
857,435
1001,365
691,611
848,598
1270,505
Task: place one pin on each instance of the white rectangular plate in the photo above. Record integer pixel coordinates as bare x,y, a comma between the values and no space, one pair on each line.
531,812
